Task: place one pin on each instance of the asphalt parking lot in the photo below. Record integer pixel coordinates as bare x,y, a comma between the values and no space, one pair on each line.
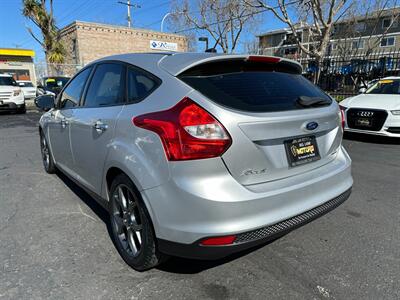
55,244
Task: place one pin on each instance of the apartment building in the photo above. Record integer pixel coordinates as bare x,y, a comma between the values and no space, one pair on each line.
376,32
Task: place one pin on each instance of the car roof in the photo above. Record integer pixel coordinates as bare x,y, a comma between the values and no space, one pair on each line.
391,77
178,62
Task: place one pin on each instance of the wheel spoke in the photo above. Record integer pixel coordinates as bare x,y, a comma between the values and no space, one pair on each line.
139,237
131,241
121,200
118,224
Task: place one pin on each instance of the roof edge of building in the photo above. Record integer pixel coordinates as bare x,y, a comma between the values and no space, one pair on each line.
119,27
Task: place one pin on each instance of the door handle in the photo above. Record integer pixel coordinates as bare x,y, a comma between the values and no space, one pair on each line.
63,122
100,126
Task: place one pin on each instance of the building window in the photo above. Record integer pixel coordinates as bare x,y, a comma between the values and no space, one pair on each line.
387,42
386,23
333,46
357,44
360,26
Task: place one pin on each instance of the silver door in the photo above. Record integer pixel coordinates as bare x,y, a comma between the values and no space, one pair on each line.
59,128
92,132
92,128
59,138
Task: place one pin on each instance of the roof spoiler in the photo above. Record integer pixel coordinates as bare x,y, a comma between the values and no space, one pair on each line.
178,64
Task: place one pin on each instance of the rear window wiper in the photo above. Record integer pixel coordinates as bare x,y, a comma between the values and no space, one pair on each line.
306,101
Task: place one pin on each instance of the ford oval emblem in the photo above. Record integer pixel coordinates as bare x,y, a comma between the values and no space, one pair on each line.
312,125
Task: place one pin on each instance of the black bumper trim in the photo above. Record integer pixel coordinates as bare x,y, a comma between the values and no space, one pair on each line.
252,238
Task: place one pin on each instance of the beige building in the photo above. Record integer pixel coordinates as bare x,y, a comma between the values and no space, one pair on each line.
85,42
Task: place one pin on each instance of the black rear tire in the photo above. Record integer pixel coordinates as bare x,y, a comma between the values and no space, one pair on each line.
131,227
47,157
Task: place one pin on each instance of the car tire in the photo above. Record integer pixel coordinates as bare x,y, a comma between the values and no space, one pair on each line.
47,158
21,110
131,227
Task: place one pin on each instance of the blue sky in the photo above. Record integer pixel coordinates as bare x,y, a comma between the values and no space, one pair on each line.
13,25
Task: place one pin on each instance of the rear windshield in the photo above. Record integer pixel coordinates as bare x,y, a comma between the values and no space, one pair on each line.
7,81
257,91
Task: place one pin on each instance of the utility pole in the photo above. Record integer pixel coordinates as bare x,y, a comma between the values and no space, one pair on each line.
129,5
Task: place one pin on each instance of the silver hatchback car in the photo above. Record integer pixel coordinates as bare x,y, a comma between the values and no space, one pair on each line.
197,155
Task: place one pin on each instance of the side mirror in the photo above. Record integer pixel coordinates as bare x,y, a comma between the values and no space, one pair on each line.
362,90
45,102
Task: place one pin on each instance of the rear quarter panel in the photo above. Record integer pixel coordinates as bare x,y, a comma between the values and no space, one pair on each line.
139,152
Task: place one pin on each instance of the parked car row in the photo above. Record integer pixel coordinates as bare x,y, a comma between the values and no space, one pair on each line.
13,94
356,66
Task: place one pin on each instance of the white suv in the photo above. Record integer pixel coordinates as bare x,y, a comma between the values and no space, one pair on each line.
11,95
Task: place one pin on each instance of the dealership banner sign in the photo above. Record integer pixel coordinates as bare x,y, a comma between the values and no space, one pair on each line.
159,45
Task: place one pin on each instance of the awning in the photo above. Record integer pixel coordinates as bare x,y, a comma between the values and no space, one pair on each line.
17,52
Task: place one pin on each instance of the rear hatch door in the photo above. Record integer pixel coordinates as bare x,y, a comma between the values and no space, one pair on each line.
281,124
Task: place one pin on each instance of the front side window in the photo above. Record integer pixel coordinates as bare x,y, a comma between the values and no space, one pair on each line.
107,86
73,92
140,85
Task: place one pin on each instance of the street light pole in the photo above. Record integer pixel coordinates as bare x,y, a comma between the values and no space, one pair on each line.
163,19
166,15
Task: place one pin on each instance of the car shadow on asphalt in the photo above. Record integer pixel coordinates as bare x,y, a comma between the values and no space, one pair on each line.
174,265
375,139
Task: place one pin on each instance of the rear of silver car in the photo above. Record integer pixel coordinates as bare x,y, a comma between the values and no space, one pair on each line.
276,161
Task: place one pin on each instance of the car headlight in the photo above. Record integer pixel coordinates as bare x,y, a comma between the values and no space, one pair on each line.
16,92
396,112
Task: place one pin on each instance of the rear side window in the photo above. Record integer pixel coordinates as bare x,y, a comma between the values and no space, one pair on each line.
140,85
256,91
107,86
72,93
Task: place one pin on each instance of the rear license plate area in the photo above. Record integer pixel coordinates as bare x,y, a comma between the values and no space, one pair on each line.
302,150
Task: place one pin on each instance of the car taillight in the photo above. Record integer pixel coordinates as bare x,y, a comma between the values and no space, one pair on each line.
187,131
265,59
342,110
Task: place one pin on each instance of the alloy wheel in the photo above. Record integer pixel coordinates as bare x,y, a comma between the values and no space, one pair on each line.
126,220
45,152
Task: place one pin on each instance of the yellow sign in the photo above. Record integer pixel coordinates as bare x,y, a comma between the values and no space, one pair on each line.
302,150
17,52
385,81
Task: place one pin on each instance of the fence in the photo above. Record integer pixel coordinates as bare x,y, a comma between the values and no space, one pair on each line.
344,76
43,69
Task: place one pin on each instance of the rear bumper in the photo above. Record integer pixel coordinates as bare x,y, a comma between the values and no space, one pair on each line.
392,131
196,205
246,240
